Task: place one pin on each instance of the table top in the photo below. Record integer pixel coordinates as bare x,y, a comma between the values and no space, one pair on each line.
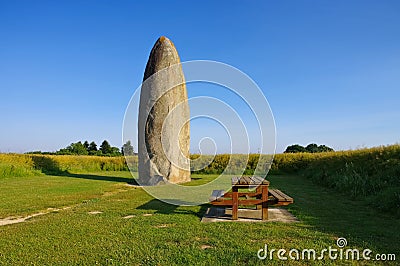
249,181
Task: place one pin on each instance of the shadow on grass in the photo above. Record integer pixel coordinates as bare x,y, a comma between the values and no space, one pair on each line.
130,181
166,208
48,166
329,211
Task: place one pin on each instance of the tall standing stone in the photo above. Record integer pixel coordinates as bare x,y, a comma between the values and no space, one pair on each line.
163,125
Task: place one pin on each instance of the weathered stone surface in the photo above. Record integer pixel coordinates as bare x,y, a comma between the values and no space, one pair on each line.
163,125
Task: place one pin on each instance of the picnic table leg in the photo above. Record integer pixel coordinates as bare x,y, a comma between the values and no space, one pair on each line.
265,202
259,191
235,204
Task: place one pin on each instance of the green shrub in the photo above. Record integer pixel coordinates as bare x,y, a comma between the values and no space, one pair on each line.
387,200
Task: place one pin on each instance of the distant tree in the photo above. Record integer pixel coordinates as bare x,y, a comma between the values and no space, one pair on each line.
105,147
323,148
127,149
115,151
76,148
295,148
92,149
86,145
33,152
313,148
64,152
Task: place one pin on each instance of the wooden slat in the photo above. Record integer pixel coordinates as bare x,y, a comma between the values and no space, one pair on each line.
241,194
249,180
243,202
222,203
235,180
282,203
283,195
276,195
280,196
261,180
216,195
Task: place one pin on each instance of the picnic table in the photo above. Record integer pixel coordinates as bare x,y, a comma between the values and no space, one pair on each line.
261,196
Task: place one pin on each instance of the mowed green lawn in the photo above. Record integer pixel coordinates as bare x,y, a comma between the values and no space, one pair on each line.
155,233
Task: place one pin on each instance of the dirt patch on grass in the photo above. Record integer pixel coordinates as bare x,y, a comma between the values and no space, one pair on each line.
163,225
95,212
19,219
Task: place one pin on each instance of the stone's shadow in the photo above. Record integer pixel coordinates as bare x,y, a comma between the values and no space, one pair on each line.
130,181
165,208
48,166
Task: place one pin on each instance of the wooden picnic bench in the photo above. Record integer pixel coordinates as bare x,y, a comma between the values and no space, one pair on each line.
261,197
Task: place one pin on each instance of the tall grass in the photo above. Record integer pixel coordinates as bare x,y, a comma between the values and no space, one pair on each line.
367,174
372,175
28,165
74,163
16,165
362,172
230,164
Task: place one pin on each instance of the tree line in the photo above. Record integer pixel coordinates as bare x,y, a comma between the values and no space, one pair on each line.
105,149
86,148
310,148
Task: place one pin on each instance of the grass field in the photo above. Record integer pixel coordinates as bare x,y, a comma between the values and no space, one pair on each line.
371,175
160,234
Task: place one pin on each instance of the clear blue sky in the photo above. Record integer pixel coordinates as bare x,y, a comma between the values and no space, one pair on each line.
329,69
